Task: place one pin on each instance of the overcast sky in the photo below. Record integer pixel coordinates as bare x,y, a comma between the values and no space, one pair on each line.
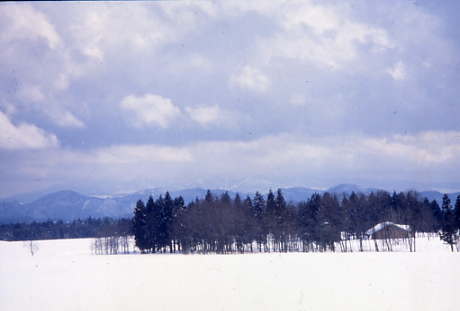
114,97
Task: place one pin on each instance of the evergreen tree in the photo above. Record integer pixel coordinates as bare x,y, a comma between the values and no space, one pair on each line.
437,215
457,213
166,219
209,197
448,230
258,216
152,225
139,226
225,198
280,221
270,213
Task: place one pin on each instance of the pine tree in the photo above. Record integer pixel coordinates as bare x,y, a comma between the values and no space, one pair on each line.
166,220
258,216
312,223
457,213
209,197
270,213
153,224
448,230
139,226
437,215
280,220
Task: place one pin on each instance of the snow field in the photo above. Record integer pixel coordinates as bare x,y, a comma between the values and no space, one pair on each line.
64,275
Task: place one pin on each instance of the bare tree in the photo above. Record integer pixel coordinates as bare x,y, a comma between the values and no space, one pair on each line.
31,246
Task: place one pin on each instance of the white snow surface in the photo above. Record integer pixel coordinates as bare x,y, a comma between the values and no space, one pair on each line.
64,275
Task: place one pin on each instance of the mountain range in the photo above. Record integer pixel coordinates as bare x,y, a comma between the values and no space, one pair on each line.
69,205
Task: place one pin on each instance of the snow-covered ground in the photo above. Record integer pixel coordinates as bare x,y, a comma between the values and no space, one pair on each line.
64,275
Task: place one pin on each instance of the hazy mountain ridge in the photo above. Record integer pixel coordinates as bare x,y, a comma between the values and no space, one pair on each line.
69,205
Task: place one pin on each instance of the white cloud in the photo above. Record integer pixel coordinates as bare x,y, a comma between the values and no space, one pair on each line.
283,159
201,62
250,78
67,119
24,22
135,154
214,115
425,148
297,100
99,31
76,42
31,94
205,114
398,71
24,135
310,31
151,109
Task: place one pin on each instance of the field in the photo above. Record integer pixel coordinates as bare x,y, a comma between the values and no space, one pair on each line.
65,275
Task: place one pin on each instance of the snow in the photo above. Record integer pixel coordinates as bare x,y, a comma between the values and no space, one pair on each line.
64,275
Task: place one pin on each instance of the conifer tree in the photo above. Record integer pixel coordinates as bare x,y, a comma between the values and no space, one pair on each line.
457,215
139,226
448,230
166,219
209,197
258,214
153,225
270,213
437,215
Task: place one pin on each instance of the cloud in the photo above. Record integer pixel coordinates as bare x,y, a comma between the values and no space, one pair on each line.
125,154
67,119
48,52
23,136
398,71
204,114
250,78
305,77
427,148
31,94
25,23
297,100
284,159
151,109
324,35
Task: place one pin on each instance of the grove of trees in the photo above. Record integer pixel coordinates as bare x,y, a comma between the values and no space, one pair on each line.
80,228
224,224
269,224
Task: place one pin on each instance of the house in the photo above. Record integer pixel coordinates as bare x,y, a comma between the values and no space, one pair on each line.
388,230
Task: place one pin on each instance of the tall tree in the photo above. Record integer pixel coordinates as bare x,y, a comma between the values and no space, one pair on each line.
457,213
139,226
258,216
153,215
448,230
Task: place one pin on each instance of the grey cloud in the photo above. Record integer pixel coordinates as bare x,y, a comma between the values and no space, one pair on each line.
238,73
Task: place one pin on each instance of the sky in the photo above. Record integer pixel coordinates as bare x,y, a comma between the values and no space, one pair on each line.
113,97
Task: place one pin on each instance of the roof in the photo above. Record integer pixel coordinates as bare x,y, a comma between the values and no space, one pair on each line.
382,225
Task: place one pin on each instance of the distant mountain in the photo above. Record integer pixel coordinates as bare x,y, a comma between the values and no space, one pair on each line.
298,194
69,205
436,195
349,188
61,205
27,197
13,211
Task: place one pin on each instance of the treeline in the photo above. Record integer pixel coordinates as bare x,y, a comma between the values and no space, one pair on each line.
270,224
86,228
224,224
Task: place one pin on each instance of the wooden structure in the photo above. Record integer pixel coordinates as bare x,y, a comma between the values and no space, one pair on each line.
389,230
